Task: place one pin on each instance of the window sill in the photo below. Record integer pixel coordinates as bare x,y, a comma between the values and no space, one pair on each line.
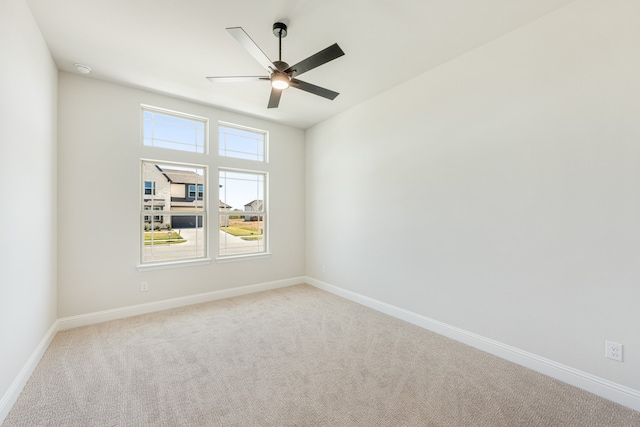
173,264
234,258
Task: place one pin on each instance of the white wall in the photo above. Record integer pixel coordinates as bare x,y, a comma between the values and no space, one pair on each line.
99,201
498,193
28,92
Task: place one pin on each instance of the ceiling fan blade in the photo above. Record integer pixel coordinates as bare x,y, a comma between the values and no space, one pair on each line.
237,79
322,57
316,90
250,46
274,98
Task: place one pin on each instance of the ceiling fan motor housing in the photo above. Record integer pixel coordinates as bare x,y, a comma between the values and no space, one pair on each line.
281,65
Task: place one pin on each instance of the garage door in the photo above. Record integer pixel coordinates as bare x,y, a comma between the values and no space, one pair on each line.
185,221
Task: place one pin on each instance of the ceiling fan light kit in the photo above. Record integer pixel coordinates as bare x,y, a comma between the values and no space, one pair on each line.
281,75
280,80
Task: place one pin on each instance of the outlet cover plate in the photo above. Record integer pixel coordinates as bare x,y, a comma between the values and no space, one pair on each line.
613,350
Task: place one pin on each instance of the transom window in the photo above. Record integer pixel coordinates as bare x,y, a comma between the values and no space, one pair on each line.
242,142
173,130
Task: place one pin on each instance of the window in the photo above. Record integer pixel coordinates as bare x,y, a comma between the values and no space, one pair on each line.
242,142
243,213
170,129
150,188
180,232
192,191
242,207
156,218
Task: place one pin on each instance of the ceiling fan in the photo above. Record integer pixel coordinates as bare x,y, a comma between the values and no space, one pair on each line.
281,75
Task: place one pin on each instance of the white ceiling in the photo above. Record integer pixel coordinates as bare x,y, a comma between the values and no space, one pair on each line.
170,46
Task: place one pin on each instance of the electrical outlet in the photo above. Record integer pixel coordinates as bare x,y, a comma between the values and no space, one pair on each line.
324,268
144,286
613,350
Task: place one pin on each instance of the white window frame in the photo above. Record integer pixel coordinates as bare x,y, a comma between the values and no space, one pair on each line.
167,211
264,213
265,148
230,163
175,145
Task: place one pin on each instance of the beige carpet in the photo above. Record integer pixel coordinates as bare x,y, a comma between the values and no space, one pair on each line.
291,357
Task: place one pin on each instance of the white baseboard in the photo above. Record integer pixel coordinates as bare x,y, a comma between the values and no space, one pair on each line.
599,386
135,310
11,395
604,388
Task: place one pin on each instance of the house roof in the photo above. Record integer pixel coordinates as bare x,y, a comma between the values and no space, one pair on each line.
255,204
182,177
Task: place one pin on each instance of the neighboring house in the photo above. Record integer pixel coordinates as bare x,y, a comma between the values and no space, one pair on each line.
254,206
224,220
175,190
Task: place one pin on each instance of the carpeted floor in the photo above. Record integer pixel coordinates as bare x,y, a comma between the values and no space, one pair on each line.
296,356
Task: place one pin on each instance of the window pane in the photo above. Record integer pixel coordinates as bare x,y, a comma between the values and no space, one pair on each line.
185,239
178,231
164,130
241,143
242,213
239,235
241,189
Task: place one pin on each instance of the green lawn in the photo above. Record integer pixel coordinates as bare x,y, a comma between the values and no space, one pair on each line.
245,233
162,238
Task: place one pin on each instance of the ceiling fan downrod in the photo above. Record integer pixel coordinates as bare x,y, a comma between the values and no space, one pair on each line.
280,31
